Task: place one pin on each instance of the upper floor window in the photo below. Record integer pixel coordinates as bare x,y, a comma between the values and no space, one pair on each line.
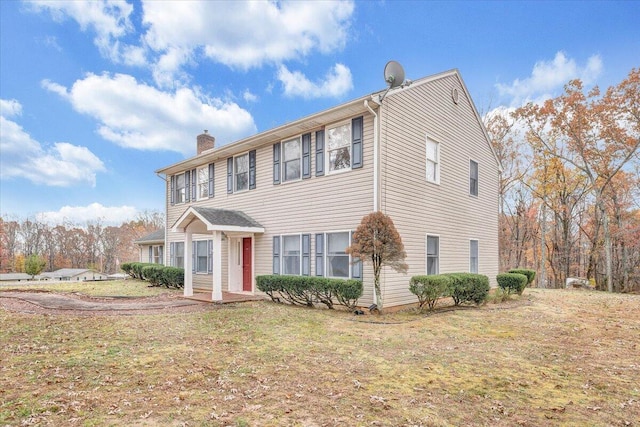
203,182
291,159
433,254
180,190
473,178
241,172
339,147
433,161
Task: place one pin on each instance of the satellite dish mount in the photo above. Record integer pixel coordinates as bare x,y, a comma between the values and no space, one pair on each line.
393,76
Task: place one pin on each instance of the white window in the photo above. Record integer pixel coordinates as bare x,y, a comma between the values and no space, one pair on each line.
203,182
177,256
473,178
339,147
473,256
291,254
157,254
180,190
433,161
337,258
433,254
202,256
291,159
241,172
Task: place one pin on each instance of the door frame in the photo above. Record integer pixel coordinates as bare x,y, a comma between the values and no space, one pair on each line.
235,250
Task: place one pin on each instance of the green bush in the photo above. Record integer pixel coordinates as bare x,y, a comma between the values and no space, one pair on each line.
303,290
468,288
429,289
172,277
531,274
512,282
153,274
126,267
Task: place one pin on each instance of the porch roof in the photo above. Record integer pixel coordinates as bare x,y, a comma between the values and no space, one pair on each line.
218,219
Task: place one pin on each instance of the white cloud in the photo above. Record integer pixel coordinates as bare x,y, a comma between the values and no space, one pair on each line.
243,34
336,83
549,77
135,115
249,97
61,165
109,19
113,215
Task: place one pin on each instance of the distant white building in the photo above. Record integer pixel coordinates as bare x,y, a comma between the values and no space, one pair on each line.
74,274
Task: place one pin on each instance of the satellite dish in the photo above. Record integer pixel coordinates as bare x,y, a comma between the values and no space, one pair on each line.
393,74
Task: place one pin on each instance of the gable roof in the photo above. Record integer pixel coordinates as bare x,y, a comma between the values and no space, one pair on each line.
316,121
153,237
218,219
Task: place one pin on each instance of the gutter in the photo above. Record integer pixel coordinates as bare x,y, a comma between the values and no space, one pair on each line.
376,162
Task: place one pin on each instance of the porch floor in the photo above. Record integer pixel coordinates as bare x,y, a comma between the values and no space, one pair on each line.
227,297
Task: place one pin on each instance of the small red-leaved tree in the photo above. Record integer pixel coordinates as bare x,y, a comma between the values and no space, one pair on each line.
377,240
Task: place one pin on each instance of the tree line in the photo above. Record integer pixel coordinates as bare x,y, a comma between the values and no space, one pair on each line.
92,245
570,185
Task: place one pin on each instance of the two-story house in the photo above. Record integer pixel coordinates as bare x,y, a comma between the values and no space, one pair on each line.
286,200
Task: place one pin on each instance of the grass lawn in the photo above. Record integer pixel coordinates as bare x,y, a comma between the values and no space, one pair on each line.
553,357
129,288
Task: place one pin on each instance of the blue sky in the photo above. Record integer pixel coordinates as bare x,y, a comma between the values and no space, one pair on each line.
97,95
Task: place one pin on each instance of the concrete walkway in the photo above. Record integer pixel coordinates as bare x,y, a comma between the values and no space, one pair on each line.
68,302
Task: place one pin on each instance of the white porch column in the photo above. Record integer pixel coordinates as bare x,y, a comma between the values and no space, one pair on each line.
217,266
188,274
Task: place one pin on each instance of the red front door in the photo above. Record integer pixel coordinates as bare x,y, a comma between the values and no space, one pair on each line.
246,264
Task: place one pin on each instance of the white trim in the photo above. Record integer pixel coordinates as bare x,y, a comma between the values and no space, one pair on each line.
426,252
327,162
326,254
438,160
196,256
282,161
282,236
233,173
206,183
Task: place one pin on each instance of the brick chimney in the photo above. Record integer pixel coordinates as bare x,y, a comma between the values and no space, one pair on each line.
205,142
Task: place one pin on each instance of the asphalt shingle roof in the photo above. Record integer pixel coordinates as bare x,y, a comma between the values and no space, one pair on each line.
226,217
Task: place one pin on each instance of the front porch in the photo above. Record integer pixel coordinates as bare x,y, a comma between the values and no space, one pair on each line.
227,297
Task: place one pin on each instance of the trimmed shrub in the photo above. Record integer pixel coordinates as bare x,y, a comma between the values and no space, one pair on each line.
429,289
531,274
512,282
304,290
126,267
172,277
153,274
468,288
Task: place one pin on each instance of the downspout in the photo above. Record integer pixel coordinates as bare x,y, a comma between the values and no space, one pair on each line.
376,184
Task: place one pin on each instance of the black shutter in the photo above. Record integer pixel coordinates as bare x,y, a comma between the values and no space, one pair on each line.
356,264
193,256
356,143
187,183
212,173
173,189
252,169
210,256
276,254
306,156
320,254
320,153
194,185
306,254
230,175
276,163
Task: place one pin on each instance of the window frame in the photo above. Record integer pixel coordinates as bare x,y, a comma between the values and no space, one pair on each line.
202,184
197,257
177,193
436,161
235,173
477,257
327,254
471,178
283,161
173,260
327,156
283,254
426,254
157,253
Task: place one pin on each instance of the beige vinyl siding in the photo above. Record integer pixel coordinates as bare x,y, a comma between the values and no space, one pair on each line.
333,202
418,207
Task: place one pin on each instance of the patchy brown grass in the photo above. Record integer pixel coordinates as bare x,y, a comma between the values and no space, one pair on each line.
125,288
553,357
